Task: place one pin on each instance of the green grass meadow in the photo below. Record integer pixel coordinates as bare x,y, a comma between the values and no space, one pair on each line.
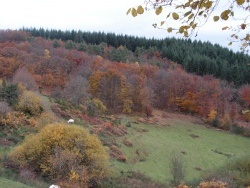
200,148
6,183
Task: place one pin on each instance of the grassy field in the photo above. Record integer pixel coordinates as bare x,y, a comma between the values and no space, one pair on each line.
199,147
6,183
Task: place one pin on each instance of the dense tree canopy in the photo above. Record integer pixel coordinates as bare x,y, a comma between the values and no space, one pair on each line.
147,79
195,56
193,14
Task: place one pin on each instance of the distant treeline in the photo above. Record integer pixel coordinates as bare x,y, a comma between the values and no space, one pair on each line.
202,58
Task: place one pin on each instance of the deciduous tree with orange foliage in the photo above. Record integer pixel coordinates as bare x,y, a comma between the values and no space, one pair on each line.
112,89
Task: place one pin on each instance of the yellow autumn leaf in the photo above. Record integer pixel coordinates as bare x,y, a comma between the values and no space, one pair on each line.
201,5
224,14
240,2
187,4
162,23
129,10
158,10
201,12
181,29
247,38
134,12
190,16
140,10
225,17
230,43
187,13
175,15
194,26
216,18
170,29
236,36
209,4
224,28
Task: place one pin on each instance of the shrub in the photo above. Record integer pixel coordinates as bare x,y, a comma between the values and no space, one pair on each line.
107,130
141,154
95,106
237,129
246,132
211,116
235,173
213,184
127,142
45,119
241,167
116,153
148,111
216,122
30,103
183,186
176,169
9,93
61,151
14,120
226,122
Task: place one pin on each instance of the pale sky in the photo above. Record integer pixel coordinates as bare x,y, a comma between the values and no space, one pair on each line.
103,15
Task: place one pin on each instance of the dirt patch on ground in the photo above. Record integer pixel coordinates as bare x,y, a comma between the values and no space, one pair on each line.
194,136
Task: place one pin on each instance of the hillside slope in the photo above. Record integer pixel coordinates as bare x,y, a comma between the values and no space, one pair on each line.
6,183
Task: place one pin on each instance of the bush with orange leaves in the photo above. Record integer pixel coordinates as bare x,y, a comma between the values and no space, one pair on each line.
107,129
207,184
183,186
15,120
63,153
213,184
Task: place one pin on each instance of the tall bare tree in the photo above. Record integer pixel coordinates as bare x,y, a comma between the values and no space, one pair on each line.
23,76
76,89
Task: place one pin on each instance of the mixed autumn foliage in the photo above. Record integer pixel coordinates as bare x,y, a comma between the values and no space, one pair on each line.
85,80
197,57
122,87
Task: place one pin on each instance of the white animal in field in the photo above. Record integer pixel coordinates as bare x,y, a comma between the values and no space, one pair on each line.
71,121
54,186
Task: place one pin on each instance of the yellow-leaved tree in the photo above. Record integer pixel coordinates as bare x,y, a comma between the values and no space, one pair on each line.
68,154
190,15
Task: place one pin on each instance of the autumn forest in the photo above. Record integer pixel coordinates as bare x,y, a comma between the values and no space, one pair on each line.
98,73
125,81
